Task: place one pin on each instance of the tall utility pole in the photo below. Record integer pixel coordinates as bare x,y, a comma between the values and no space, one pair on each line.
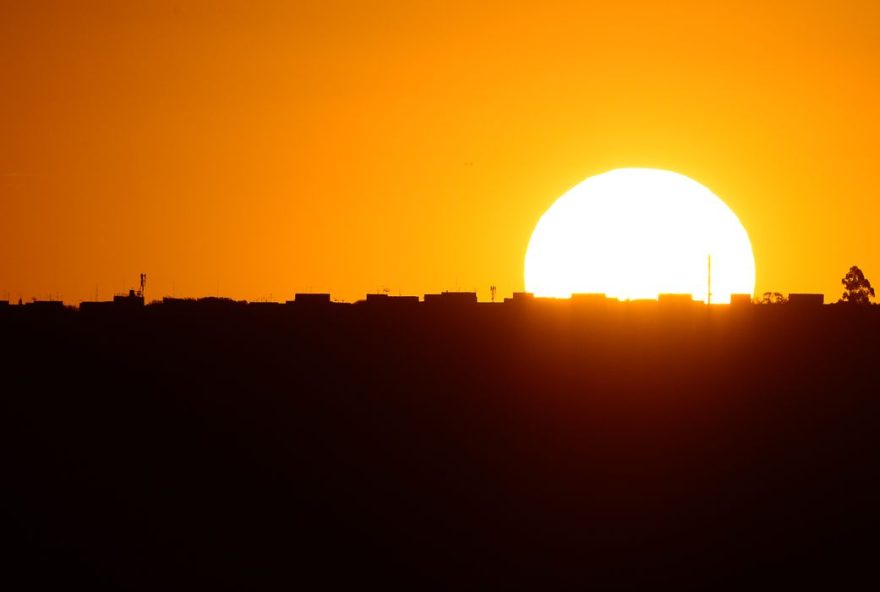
709,287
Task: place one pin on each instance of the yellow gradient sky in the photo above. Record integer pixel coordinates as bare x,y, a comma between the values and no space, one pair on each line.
258,149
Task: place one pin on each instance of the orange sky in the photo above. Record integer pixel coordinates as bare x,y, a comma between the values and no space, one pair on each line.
337,146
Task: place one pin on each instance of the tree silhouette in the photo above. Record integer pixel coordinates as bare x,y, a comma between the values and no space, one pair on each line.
858,288
772,298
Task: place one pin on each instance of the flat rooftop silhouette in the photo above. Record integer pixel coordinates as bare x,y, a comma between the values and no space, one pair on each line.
454,299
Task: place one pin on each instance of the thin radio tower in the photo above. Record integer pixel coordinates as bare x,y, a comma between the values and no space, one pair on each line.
709,279
492,290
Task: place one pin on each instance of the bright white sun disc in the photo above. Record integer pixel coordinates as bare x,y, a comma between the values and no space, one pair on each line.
637,233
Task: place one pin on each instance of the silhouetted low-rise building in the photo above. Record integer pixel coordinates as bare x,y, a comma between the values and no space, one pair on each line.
131,299
806,299
386,300
206,303
740,299
520,298
46,304
262,305
100,306
451,298
310,299
589,303
589,298
43,307
675,300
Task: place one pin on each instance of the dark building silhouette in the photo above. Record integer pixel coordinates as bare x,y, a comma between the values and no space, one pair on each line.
269,306
131,299
740,299
676,300
589,299
642,304
197,306
45,305
806,299
92,307
387,300
310,299
451,298
520,298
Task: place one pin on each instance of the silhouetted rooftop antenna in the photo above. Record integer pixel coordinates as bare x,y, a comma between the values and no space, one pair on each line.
143,286
492,290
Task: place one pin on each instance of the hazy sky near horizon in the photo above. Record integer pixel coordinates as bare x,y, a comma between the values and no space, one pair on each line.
256,149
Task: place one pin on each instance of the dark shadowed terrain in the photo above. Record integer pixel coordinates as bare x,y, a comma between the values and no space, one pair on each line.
531,446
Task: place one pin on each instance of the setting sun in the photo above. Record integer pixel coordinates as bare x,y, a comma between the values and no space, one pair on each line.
638,233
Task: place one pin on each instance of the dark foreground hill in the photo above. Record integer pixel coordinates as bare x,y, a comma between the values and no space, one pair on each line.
486,447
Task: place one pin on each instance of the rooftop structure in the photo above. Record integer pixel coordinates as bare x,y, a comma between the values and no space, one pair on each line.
676,299
740,299
45,305
131,299
451,298
520,298
310,299
589,298
386,300
806,299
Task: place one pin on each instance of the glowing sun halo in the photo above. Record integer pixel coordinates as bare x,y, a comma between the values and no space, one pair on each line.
638,233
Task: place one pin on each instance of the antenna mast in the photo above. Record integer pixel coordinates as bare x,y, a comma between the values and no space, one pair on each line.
709,287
